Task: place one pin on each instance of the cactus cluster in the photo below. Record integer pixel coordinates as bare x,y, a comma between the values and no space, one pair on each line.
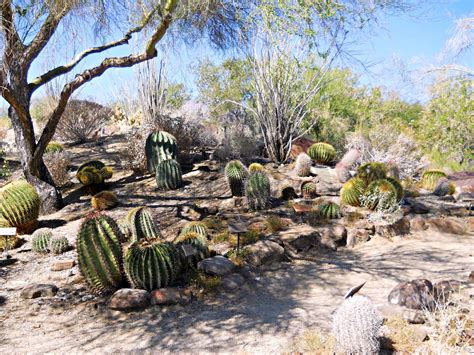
160,146
352,191
309,190
255,167
303,165
195,227
257,191
322,153
59,245
380,195
20,205
198,242
104,200
236,175
40,241
93,172
168,175
330,210
429,178
141,225
370,172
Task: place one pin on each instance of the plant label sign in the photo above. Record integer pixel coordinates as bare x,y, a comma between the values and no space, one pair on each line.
188,250
237,227
8,232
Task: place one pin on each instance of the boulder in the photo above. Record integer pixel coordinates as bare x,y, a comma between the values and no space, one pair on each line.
300,145
357,236
416,294
446,225
39,290
443,289
217,265
400,227
232,282
63,265
464,181
264,252
327,181
337,233
169,295
222,248
418,224
127,299
302,237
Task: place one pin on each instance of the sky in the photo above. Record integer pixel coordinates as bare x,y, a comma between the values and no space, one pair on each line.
409,41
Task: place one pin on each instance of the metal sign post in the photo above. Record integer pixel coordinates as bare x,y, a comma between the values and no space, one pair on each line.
7,233
237,227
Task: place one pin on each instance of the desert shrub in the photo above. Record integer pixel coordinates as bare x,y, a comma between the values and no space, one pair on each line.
58,164
204,285
4,165
275,224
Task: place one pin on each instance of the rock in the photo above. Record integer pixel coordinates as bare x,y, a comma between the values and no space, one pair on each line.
418,224
338,233
39,290
441,188
327,181
446,225
357,236
400,227
222,248
169,295
351,239
194,174
413,316
364,224
464,181
471,277
232,282
128,299
264,252
217,265
300,145
416,294
443,289
302,237
416,207
63,265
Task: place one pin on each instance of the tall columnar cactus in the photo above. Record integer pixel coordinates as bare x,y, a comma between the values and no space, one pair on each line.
151,264
352,191
371,171
195,227
356,326
160,146
99,253
255,167
257,191
168,175
7,242
19,205
198,242
104,200
303,165
236,174
309,190
330,210
380,195
40,242
141,224
429,178
398,186
59,245
322,153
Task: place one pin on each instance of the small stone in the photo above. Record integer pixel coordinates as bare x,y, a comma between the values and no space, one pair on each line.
264,252
169,295
337,233
75,279
39,290
217,265
232,282
87,298
222,248
446,225
128,299
471,277
63,265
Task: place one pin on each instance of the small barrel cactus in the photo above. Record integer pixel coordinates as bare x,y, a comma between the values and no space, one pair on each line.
106,172
330,210
92,163
303,165
257,191
429,178
356,326
236,174
40,241
352,191
168,175
105,200
159,147
322,153
20,205
54,147
59,245
195,227
151,264
380,195
99,253
309,190
198,242
141,224
371,171
255,167
7,242
398,186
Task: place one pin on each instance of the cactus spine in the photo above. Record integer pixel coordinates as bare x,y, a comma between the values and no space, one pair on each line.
257,191
198,242
141,224
429,178
99,253
104,200
19,205
59,245
352,191
370,172
160,146
330,210
255,167
168,175
380,195
303,165
195,227
309,190
40,242
236,174
322,153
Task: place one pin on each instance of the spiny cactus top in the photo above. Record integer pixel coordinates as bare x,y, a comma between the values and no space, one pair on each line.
257,191
371,171
322,153
380,195
196,227
59,245
160,146
303,164
330,210
40,240
104,200
20,205
352,191
309,190
429,178
168,175
256,167
141,224
236,174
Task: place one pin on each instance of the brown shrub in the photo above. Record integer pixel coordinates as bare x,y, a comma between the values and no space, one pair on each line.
58,165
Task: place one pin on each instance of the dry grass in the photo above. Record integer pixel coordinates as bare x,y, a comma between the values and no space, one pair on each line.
403,337
203,285
313,341
275,224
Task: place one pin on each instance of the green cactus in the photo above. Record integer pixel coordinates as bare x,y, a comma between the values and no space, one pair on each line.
352,191
322,153
92,163
330,210
257,191
151,264
59,245
198,242
54,147
40,242
380,195
93,172
303,165
7,242
309,190
20,205
141,225
106,172
168,175
398,186
255,167
236,174
195,227
99,253
429,178
370,172
160,146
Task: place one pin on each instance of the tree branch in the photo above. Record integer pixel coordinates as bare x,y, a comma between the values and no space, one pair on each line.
12,38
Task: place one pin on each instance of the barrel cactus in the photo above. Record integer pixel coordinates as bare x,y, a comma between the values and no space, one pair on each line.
54,147
352,191
99,253
330,210
59,245
151,264
322,153
370,172
255,167
257,191
168,175
398,186
106,172
159,147
236,174
7,242
380,195
303,165
141,224
20,205
40,241
309,190
429,178
93,172
195,227
104,200
198,242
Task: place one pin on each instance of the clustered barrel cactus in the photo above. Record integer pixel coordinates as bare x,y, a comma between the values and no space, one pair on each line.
168,175
160,146
93,172
322,153
141,224
303,165
352,191
429,178
380,195
371,171
255,167
236,175
330,210
40,242
257,191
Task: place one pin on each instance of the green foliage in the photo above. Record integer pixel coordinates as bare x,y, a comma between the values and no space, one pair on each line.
352,191
59,245
303,165
151,264
257,191
19,205
322,153
168,175
429,178
99,253
40,241
198,242
236,174
330,210
195,227
4,165
380,195
159,147
398,186
371,171
309,190
54,147
255,167
141,225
